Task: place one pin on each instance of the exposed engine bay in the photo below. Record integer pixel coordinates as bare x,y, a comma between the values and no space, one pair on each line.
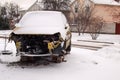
36,44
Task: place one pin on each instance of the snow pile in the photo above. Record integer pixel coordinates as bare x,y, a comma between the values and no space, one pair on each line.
9,58
10,47
109,2
111,52
5,33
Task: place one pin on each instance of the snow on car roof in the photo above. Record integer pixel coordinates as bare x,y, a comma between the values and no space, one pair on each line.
42,22
109,2
42,19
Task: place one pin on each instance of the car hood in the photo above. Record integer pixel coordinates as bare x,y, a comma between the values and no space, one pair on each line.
39,31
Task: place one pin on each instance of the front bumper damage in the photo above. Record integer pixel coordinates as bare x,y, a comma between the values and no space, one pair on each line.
39,45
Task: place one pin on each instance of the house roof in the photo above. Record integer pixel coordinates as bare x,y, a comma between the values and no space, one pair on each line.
108,2
23,4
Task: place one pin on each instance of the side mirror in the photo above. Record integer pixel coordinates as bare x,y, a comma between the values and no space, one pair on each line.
66,26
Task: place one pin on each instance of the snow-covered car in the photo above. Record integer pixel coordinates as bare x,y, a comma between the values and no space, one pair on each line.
42,33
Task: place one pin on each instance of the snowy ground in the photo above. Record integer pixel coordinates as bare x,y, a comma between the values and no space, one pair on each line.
82,64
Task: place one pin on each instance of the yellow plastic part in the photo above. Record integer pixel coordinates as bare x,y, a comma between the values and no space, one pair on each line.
50,46
18,45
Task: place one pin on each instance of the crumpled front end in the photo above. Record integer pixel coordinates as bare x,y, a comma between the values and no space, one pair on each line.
37,45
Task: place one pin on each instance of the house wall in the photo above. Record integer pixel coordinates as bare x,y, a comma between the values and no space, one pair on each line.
100,10
109,28
106,12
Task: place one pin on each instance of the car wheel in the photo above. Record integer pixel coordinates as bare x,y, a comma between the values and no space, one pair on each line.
68,48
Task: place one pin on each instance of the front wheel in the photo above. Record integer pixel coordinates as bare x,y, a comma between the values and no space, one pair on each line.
68,49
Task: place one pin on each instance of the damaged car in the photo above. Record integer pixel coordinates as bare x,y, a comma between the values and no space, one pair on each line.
42,34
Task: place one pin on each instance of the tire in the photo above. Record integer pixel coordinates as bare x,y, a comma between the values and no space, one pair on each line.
69,47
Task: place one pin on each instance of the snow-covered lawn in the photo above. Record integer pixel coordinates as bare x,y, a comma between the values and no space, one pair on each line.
103,37
82,64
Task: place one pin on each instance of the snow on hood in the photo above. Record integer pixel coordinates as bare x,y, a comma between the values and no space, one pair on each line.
41,22
37,30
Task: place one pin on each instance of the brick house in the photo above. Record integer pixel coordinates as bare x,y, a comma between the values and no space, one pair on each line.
104,9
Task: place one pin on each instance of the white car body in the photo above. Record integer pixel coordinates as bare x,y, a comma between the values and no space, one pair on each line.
42,33
42,22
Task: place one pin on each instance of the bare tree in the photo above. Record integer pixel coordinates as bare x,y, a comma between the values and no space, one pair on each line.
87,22
12,12
3,12
4,23
95,27
56,4
83,19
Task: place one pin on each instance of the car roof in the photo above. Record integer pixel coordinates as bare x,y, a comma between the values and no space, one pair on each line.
42,18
